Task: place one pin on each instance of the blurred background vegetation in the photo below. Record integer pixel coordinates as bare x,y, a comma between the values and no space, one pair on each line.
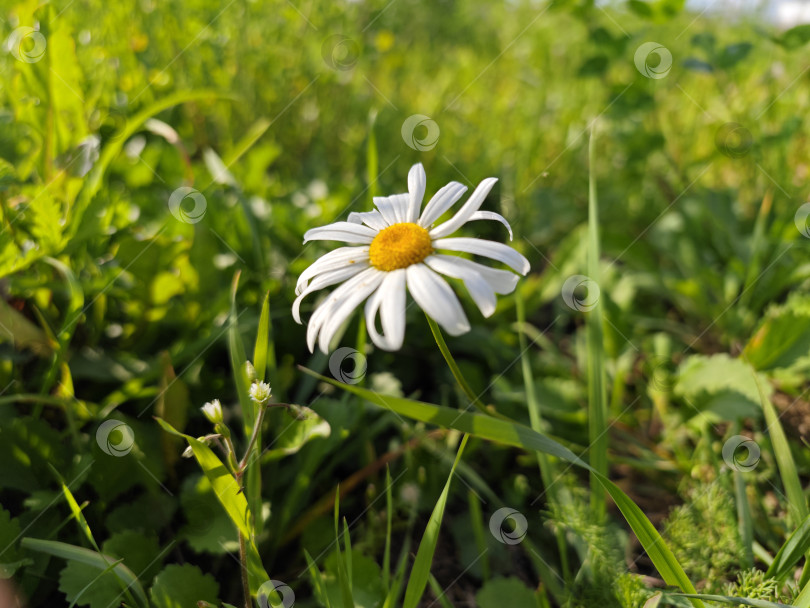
288,115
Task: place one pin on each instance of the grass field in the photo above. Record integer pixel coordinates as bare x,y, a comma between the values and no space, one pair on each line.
628,428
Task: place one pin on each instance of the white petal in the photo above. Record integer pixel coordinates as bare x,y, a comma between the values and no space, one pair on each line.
441,202
372,219
341,310
463,215
387,208
480,290
389,299
501,281
436,298
341,231
342,256
490,249
332,301
400,203
325,280
417,181
491,215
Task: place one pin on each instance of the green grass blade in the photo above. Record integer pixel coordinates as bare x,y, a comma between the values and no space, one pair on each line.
597,386
90,558
317,579
389,518
427,547
518,435
343,576
797,504
791,552
262,347
803,600
439,592
236,350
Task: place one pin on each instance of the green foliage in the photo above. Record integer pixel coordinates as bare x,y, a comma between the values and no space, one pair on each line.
115,308
704,536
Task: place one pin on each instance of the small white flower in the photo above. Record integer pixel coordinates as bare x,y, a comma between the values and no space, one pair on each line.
399,248
260,392
213,411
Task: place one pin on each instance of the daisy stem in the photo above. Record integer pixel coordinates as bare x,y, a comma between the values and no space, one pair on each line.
451,363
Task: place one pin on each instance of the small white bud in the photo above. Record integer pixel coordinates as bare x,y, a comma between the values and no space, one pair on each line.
213,411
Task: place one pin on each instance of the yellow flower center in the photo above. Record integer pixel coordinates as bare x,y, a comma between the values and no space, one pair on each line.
399,246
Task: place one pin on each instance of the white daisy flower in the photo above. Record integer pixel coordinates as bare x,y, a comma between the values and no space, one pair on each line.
399,249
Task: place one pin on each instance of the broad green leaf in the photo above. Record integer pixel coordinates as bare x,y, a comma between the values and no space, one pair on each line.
85,585
10,557
91,558
18,330
517,435
427,547
783,337
182,587
494,591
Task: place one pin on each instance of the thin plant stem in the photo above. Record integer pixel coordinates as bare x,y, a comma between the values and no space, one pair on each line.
243,569
454,369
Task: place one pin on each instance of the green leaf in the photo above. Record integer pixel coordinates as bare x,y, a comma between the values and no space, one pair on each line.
208,528
783,337
494,591
140,551
297,435
182,587
86,585
230,497
517,435
791,552
10,557
222,481
427,547
90,558
795,37
262,340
